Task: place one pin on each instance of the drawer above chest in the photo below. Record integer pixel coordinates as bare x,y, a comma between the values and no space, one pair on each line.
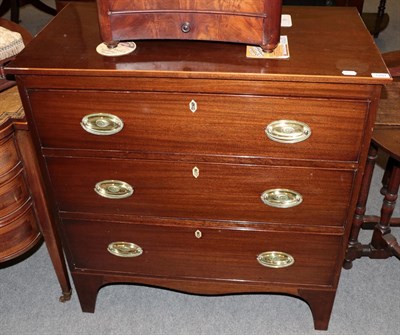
250,21
239,7
204,124
221,254
202,191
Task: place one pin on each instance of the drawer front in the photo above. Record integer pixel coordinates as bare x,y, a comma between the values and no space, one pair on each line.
243,6
203,124
202,191
13,194
8,156
186,25
19,235
202,253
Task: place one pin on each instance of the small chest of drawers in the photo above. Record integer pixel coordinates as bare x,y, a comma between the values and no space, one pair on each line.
191,167
246,21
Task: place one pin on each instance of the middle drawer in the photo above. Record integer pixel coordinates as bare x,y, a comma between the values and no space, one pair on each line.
269,194
205,124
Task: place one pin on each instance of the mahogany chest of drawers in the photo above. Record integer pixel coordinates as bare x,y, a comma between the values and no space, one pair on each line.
191,167
246,21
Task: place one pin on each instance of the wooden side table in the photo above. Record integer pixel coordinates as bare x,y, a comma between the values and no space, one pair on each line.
386,138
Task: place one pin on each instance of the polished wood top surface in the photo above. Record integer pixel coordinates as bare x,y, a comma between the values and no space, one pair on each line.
389,106
67,46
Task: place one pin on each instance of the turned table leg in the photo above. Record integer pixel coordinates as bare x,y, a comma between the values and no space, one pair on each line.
386,176
355,248
383,244
382,230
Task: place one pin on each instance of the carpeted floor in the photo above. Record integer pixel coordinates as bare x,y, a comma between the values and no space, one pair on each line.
367,301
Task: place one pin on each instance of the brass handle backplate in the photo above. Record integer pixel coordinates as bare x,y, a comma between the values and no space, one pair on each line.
102,124
288,131
275,259
281,198
124,249
113,189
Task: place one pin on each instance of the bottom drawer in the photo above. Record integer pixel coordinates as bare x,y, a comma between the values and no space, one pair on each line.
228,254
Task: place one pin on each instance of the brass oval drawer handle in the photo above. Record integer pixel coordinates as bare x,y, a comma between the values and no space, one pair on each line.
281,198
275,259
113,189
124,249
102,124
288,131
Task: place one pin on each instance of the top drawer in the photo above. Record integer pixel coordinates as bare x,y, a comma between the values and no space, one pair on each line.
204,124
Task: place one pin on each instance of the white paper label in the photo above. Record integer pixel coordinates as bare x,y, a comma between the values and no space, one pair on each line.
380,75
349,73
286,20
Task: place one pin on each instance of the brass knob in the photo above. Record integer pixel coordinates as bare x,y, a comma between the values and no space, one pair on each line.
185,27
